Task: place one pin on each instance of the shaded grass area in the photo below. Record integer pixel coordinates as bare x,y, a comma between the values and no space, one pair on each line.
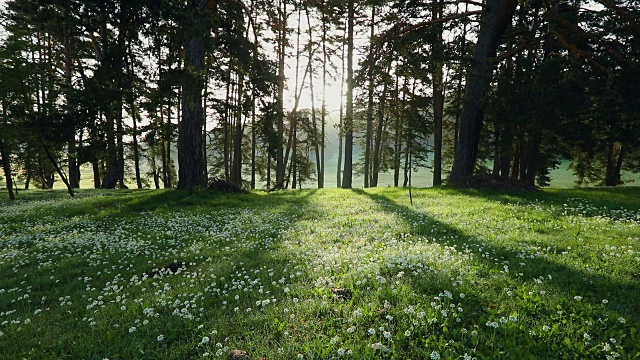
458,274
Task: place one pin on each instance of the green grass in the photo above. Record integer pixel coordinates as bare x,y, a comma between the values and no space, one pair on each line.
458,274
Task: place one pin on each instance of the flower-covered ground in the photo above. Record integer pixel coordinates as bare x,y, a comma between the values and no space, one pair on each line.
318,274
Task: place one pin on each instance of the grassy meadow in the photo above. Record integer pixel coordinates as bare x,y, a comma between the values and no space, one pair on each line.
321,274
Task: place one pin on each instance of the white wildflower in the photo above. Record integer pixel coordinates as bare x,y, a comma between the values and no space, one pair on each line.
380,346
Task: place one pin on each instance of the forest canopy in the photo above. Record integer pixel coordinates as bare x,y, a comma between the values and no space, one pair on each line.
178,94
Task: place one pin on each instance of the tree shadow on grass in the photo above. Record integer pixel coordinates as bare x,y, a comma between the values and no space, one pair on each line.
180,332
623,296
565,278
597,198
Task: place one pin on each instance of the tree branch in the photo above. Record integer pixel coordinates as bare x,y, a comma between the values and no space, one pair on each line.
517,49
394,32
96,46
579,53
579,31
470,2
633,21
437,21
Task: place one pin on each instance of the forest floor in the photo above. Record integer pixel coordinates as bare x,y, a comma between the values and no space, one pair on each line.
318,274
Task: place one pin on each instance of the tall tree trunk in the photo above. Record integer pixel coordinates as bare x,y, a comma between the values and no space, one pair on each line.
253,116
397,137
463,47
280,163
294,123
620,158
438,94
268,171
115,144
71,142
253,139
204,122
120,142
6,166
58,170
294,157
191,171
516,160
506,149
614,164
96,174
111,177
314,120
167,142
496,18
324,99
299,87
236,168
347,176
225,128
523,159
163,151
154,169
377,149
29,170
407,162
136,150
496,153
370,88
534,157
341,122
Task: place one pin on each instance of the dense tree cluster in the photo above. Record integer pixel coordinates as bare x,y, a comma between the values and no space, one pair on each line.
129,87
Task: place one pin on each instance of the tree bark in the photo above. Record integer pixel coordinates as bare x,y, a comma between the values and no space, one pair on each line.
347,176
324,99
506,145
314,120
523,158
280,163
614,164
167,143
225,129
71,143
534,157
111,177
236,167
120,143
378,140
368,135
58,170
397,137
495,20
136,150
341,123
438,95
253,140
6,166
407,163
191,170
